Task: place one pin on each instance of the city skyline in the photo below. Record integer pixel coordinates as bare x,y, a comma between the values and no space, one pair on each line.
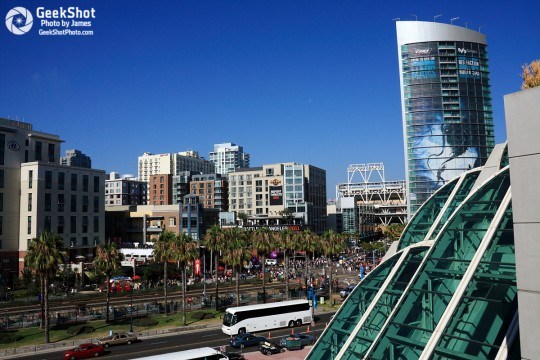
312,83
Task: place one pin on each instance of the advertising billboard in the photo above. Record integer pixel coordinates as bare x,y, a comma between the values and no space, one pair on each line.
276,195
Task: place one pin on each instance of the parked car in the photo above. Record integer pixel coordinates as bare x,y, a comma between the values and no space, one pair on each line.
245,340
271,262
305,339
345,292
118,338
84,351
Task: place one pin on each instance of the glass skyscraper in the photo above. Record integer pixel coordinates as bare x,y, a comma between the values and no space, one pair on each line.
446,104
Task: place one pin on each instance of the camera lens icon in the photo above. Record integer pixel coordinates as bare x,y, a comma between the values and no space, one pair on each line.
19,20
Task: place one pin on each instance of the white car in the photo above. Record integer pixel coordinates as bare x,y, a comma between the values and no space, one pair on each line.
271,262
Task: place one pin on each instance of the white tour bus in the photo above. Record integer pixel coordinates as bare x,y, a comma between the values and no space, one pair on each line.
204,353
261,317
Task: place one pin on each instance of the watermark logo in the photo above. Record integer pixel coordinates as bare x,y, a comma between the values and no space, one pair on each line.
19,20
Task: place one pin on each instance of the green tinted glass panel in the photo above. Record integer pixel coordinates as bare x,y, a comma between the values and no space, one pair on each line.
418,315
351,311
458,198
485,312
378,316
504,158
425,216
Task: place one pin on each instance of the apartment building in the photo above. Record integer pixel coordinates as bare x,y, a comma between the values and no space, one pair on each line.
172,163
124,190
160,190
277,194
212,190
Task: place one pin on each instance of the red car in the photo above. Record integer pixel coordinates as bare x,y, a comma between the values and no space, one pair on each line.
84,351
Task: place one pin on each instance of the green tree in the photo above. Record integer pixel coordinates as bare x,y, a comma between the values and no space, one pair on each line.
393,231
108,258
263,243
184,251
163,253
310,242
531,75
235,254
214,240
44,256
332,244
286,241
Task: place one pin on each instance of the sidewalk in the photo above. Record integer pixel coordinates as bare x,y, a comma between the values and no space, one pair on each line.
287,355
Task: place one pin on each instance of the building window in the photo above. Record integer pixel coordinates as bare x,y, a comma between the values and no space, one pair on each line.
1,225
60,229
84,241
73,241
96,203
73,182
2,147
172,221
47,225
51,153
30,202
85,224
29,225
96,240
48,180
73,203
96,183
61,202
61,180
73,224
38,149
1,179
1,201
48,202
96,224
85,203
30,178
85,183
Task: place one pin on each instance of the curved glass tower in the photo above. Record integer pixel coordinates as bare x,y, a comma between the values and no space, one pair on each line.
446,104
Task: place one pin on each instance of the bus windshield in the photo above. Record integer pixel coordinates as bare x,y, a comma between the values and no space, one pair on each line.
229,319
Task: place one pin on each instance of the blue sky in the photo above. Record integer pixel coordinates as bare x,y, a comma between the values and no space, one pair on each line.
306,81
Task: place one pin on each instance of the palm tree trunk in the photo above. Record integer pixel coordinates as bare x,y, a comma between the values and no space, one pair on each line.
238,285
264,278
107,319
306,280
46,308
330,283
42,301
184,294
217,281
286,275
165,285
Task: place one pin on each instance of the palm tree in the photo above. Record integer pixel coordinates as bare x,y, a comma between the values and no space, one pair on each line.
108,258
163,253
285,239
235,254
263,243
215,241
332,244
310,243
44,256
184,250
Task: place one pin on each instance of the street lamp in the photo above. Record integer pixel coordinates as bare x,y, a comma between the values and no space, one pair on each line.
131,309
204,271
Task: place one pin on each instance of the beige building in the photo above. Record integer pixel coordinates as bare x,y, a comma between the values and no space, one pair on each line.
173,164
65,200
279,194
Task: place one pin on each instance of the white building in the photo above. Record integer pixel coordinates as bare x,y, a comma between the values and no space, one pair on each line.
227,157
172,163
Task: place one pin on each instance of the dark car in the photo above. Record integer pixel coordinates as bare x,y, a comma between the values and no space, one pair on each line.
305,339
345,292
268,348
245,340
84,351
